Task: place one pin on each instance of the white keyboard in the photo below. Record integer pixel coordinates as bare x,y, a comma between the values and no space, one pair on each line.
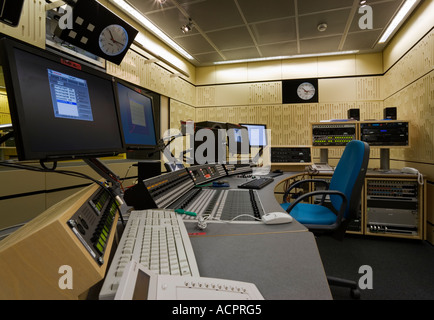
159,241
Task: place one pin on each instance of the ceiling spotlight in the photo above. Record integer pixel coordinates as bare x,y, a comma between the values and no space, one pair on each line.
363,2
187,27
322,27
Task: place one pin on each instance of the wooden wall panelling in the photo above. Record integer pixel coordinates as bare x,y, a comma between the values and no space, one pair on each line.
178,112
276,125
129,69
416,103
182,90
265,93
285,135
137,69
368,88
205,96
31,28
243,114
417,62
158,79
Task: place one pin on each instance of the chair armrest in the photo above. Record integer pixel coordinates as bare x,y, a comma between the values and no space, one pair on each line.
298,183
339,214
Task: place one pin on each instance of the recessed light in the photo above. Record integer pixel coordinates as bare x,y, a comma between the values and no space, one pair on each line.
322,27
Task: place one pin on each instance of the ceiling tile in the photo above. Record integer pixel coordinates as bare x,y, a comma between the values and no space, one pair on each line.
212,15
336,21
363,40
170,21
320,45
149,6
195,44
231,38
260,10
279,49
243,53
224,28
274,31
381,15
208,58
309,6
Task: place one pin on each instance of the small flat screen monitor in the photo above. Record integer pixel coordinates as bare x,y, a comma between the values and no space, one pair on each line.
238,139
60,109
257,134
137,117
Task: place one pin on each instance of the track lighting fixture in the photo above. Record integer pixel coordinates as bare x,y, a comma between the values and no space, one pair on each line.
187,27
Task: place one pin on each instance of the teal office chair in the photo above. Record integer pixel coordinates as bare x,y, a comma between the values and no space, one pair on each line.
344,192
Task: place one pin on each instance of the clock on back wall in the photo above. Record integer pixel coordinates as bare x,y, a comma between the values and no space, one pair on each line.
99,31
300,91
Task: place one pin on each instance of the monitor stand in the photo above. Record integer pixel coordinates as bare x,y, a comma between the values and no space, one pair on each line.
105,173
384,159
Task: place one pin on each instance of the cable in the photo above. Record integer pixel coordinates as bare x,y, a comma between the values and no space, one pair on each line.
68,173
242,215
420,178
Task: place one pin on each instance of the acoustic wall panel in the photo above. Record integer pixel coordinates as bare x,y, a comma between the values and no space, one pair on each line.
205,96
270,92
180,112
416,63
368,88
31,28
143,72
416,102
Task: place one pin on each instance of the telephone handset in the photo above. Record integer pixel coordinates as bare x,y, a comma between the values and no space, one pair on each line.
320,167
413,171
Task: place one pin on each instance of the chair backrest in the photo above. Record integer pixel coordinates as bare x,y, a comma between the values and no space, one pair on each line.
349,176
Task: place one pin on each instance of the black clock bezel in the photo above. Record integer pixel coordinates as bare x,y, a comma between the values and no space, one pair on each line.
289,91
100,17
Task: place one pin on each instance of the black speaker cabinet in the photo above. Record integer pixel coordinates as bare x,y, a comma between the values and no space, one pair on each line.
148,169
389,113
354,114
10,11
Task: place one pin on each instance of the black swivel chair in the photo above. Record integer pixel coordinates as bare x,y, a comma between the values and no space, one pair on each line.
344,191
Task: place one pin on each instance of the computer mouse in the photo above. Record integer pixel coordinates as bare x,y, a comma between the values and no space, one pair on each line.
276,218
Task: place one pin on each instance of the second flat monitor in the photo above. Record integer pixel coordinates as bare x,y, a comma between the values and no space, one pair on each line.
137,116
257,134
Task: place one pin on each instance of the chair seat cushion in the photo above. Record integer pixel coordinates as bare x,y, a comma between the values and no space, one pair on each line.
306,213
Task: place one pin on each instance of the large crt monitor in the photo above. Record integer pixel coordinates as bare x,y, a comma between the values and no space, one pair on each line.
137,116
60,109
257,134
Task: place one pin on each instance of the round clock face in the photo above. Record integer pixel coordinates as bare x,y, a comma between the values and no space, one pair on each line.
306,91
113,40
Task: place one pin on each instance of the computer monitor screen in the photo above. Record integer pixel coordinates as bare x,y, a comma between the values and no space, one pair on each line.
137,117
60,109
238,140
257,134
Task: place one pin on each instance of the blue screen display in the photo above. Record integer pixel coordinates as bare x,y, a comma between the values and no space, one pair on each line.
70,96
137,117
257,134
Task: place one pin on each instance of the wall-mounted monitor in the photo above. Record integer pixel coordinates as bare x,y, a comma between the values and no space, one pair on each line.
60,109
238,139
257,134
137,117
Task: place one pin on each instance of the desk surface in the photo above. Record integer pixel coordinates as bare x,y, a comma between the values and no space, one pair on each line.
282,260
283,265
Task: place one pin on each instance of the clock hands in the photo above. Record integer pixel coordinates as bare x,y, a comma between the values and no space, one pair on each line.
113,39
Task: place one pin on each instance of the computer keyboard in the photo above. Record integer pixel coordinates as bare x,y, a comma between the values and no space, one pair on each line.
158,240
258,183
